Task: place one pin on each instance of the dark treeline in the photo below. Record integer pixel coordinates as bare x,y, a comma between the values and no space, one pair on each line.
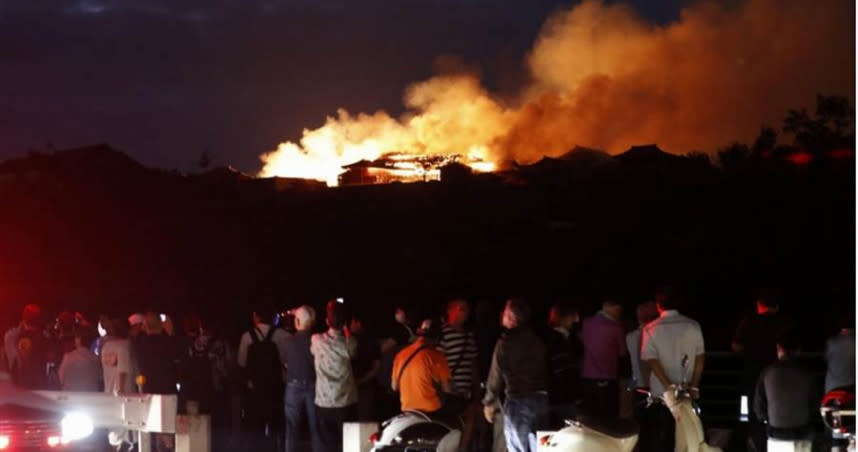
90,229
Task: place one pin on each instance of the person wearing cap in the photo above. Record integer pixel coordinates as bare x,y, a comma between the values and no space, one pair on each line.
29,318
299,400
27,350
135,323
418,369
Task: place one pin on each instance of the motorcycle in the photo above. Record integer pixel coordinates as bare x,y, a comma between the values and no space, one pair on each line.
415,431
838,414
618,435
592,434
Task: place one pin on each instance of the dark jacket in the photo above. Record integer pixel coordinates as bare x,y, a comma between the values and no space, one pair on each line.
787,396
518,366
158,358
564,357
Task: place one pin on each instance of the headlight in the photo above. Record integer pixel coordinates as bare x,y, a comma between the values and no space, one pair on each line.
76,426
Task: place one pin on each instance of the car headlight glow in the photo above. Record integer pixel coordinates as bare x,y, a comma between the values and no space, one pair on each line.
76,426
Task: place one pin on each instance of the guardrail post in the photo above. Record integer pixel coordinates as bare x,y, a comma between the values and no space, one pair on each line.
356,436
193,433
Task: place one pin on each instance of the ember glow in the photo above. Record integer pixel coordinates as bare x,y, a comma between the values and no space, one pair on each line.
601,77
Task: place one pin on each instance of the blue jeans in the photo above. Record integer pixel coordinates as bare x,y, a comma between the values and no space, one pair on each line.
522,417
300,405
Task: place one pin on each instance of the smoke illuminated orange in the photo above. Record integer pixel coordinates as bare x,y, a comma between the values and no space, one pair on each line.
601,77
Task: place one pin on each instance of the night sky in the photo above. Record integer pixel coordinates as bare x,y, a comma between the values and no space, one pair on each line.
166,80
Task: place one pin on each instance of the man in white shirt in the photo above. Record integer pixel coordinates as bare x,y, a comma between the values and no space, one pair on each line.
117,369
673,349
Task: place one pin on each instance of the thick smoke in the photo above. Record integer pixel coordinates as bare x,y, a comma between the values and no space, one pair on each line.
603,77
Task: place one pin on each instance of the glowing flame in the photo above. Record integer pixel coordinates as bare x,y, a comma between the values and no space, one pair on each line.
449,116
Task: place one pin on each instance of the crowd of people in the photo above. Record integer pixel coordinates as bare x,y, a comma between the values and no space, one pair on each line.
294,379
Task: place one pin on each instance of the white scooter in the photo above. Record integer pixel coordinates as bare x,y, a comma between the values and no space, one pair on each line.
838,414
690,436
415,431
618,435
595,434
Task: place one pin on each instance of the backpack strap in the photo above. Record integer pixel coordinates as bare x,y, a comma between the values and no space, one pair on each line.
405,364
253,337
269,335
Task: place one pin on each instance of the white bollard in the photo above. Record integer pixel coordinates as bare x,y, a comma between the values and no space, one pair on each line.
193,433
778,445
356,436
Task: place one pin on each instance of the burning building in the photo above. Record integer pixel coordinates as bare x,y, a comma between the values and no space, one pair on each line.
402,167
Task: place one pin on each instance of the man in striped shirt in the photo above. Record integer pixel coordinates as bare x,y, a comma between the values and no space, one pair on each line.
460,348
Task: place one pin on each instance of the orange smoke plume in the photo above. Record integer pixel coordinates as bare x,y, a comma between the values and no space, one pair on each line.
602,77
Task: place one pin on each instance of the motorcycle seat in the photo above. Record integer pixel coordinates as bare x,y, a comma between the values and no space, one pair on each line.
450,421
613,427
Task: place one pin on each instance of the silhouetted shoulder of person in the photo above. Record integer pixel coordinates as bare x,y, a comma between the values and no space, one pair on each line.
757,335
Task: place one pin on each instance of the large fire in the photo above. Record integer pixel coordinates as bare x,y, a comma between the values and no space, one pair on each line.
449,116
602,77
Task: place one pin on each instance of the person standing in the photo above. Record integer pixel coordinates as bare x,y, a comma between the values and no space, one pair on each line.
394,339
564,356
787,394
117,369
755,340
460,348
840,359
604,347
80,369
336,391
300,382
116,363
27,350
158,358
519,369
670,343
365,367
646,312
418,371
259,353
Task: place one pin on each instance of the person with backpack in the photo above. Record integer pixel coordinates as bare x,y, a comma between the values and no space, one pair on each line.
259,355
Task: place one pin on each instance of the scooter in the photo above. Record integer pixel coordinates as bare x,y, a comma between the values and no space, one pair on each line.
838,414
690,436
415,431
593,434
618,435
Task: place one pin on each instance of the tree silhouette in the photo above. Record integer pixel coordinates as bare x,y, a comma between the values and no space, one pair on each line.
766,142
827,129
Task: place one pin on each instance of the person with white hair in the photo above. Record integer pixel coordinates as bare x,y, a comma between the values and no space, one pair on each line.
300,395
